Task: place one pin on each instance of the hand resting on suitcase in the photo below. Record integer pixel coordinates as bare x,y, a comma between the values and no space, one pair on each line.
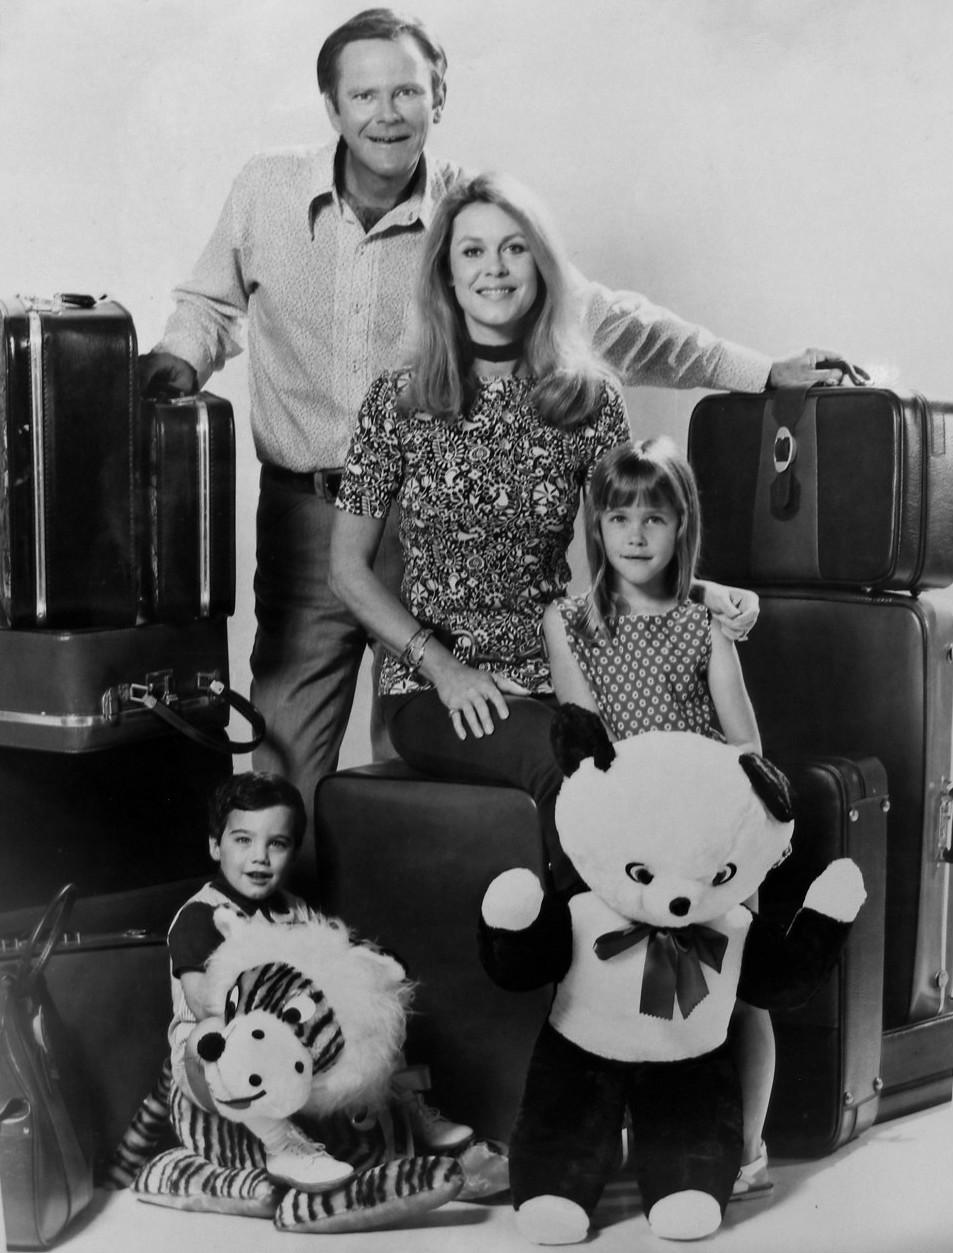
163,376
810,368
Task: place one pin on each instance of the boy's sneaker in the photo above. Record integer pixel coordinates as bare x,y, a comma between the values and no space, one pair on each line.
306,1165
753,1181
431,1130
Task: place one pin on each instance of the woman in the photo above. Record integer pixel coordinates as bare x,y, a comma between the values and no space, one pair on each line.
484,442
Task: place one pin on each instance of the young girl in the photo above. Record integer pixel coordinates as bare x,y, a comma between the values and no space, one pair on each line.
642,655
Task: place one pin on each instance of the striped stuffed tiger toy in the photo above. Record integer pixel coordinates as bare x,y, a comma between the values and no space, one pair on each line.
285,989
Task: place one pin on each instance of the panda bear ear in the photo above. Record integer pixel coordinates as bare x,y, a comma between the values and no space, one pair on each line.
771,786
576,734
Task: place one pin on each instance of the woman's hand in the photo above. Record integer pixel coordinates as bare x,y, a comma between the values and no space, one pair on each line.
471,696
735,609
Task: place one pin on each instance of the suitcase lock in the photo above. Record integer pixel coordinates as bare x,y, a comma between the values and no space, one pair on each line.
784,450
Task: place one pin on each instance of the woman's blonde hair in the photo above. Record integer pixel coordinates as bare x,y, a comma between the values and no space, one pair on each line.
569,375
650,473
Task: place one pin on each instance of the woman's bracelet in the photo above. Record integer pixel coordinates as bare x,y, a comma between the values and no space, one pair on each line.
412,654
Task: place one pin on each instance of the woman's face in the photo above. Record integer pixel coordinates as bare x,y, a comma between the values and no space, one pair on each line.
492,271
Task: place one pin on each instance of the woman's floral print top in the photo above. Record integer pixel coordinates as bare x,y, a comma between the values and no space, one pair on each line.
487,505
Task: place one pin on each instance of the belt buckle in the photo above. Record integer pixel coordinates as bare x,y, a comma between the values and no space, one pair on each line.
327,483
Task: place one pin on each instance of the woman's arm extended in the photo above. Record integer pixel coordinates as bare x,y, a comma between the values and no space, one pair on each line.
468,694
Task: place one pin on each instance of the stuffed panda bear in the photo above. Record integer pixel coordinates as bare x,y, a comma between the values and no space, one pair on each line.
670,832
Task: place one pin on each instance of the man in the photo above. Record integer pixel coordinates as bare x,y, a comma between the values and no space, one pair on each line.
317,251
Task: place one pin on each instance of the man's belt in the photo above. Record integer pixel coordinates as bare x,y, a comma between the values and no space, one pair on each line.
326,483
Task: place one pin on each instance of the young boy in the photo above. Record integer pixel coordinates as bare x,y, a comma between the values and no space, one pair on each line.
256,825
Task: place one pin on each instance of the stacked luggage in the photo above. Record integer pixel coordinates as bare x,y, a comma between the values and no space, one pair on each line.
836,505
117,578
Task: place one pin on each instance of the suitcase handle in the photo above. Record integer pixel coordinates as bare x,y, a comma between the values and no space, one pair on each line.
53,922
240,704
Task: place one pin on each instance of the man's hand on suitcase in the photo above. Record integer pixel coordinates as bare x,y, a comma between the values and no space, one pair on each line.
163,376
815,366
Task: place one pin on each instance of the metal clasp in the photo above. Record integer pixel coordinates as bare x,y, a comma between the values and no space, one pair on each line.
944,850
211,683
785,449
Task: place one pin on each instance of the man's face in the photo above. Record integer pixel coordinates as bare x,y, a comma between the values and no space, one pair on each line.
384,107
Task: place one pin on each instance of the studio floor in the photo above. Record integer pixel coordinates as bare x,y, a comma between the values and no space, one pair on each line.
891,1191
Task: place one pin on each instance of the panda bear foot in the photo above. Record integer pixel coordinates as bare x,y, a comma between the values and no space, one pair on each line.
552,1220
688,1215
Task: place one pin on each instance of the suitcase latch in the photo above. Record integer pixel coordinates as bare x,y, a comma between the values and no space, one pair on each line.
211,683
944,852
159,685
785,449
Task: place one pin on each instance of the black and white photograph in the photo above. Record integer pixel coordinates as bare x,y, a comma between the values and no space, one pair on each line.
476,625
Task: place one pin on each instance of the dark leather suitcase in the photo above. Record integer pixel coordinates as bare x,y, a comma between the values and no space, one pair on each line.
78,691
828,1076
852,674
190,507
69,552
405,861
836,486
123,818
109,983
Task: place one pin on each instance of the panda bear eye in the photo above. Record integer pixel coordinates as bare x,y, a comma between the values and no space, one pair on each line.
725,874
231,1003
299,1009
639,872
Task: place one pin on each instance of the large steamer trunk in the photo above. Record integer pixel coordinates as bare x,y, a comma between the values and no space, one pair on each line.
846,673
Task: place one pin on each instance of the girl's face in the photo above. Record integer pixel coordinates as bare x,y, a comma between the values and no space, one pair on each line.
640,542
492,271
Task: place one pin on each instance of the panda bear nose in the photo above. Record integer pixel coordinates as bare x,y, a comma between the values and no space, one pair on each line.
680,906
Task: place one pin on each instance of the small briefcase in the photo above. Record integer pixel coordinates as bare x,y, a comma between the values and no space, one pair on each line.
190,508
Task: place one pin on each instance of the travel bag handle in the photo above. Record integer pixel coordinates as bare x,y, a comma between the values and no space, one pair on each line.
240,704
786,406
53,922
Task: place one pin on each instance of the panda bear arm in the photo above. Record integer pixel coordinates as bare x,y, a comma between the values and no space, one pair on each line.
533,956
783,969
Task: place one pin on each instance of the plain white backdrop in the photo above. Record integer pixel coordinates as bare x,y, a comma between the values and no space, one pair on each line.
776,169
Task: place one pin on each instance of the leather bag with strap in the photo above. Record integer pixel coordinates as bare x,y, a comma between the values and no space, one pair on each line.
45,1170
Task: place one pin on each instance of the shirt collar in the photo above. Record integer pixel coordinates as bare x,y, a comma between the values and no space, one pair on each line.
419,205
273,904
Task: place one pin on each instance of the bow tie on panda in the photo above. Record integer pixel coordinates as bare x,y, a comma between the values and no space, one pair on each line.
673,963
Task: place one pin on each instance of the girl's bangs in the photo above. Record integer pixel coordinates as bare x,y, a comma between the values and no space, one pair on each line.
646,488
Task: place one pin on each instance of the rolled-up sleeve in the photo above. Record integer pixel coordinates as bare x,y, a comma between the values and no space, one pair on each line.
207,326
649,346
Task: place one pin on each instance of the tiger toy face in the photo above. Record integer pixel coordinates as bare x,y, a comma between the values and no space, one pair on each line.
279,1032
311,1020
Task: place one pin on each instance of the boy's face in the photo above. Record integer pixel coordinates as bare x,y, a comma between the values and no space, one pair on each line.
256,850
